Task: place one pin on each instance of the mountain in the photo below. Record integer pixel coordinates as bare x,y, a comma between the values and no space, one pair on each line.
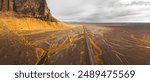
28,15
20,22
27,8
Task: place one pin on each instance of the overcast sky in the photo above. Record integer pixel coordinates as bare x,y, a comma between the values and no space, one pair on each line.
101,10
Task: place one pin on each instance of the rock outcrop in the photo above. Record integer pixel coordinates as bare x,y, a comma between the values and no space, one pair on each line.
27,8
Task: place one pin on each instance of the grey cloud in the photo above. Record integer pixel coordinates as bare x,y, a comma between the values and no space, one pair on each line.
99,11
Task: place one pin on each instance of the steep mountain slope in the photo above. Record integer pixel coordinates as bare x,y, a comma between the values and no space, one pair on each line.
27,8
20,18
28,15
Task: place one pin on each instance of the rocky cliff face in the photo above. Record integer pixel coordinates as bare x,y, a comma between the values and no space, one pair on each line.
27,8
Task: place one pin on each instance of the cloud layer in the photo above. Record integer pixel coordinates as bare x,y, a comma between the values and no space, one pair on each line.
101,10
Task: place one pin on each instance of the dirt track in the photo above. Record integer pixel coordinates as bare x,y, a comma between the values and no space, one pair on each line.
96,44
